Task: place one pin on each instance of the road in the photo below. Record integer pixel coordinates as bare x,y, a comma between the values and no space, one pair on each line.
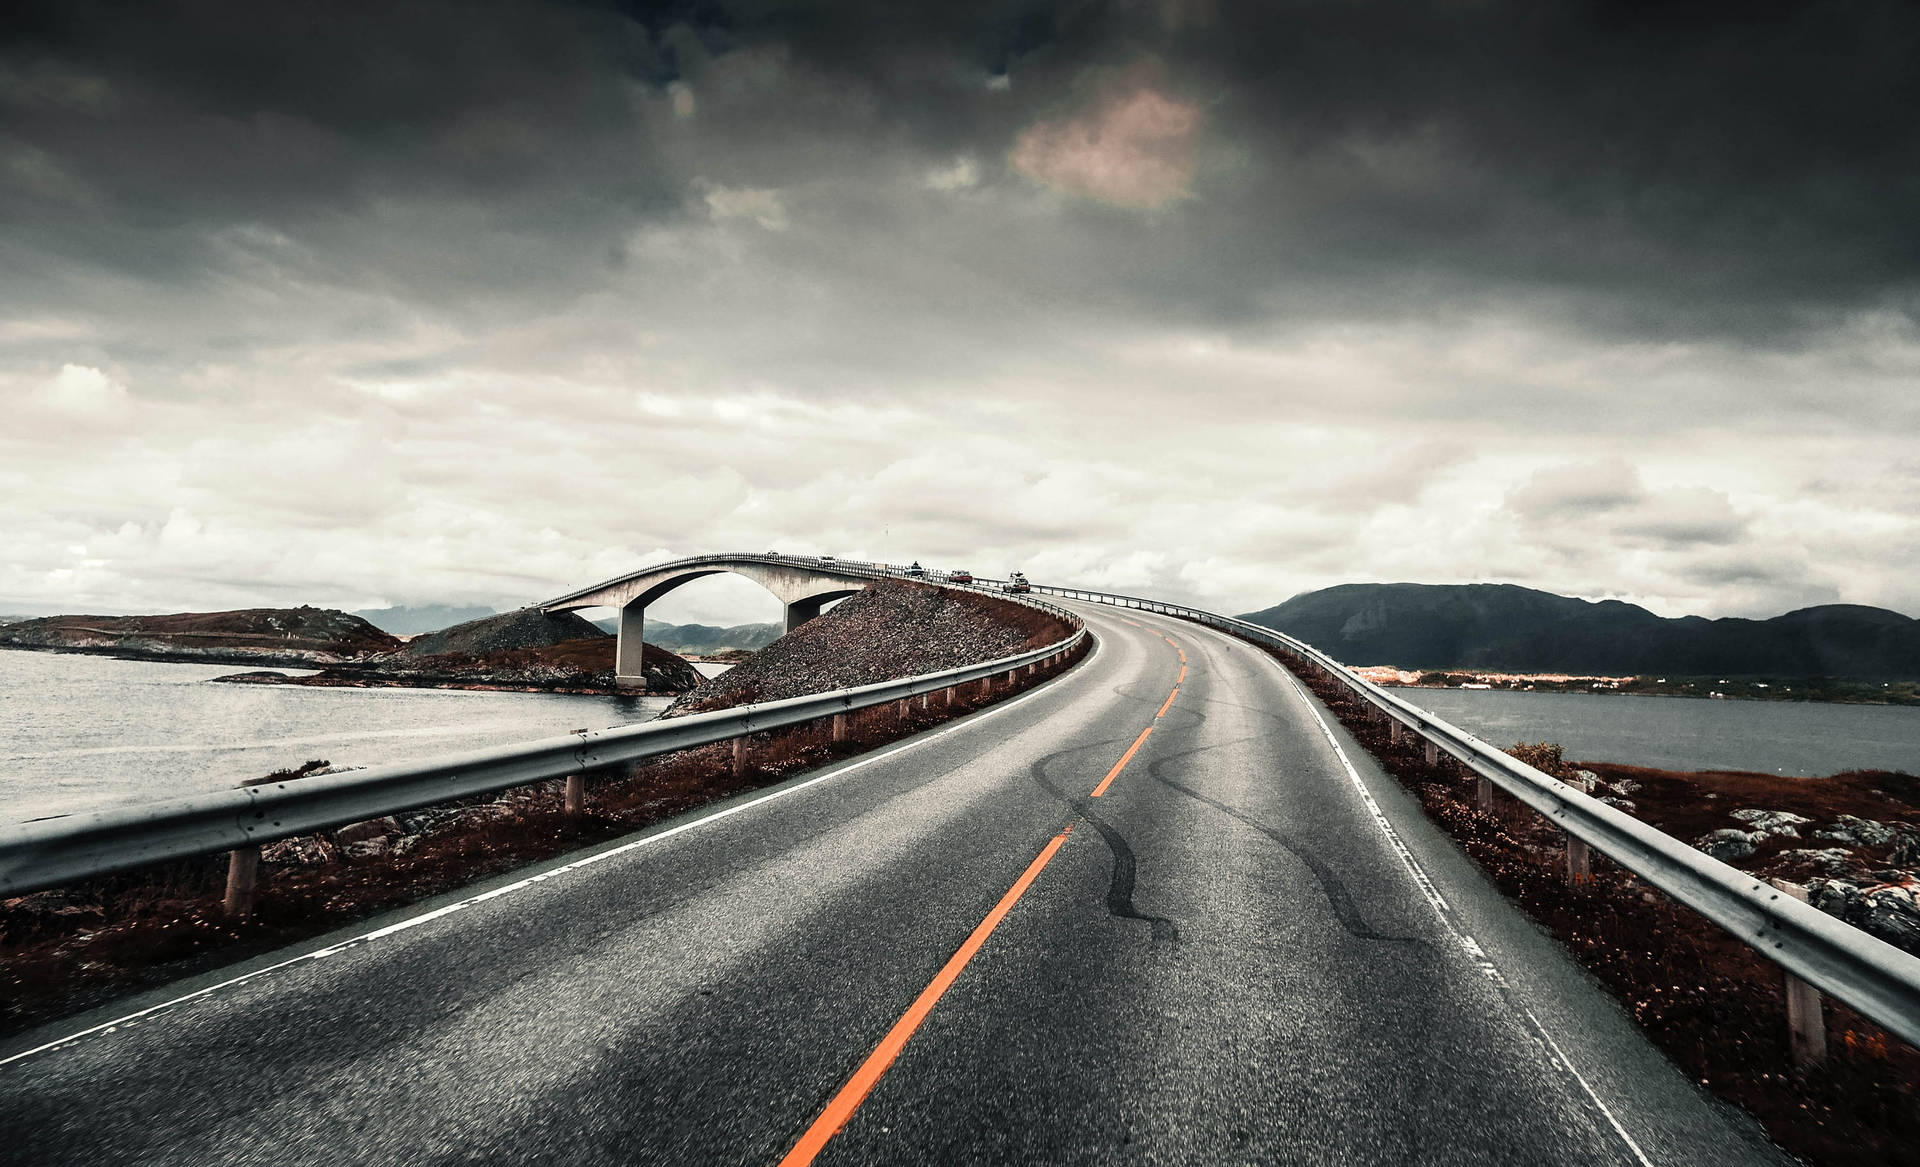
1242,950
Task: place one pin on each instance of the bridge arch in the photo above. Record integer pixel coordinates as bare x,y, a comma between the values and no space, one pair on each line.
804,586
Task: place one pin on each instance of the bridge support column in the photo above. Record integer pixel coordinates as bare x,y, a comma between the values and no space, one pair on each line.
801,611
629,667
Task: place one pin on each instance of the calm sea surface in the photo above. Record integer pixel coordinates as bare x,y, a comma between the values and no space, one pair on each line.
82,731
1680,733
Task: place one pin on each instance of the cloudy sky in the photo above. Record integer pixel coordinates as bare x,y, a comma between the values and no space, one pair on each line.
475,302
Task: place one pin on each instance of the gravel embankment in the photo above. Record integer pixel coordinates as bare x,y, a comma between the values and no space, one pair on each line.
893,629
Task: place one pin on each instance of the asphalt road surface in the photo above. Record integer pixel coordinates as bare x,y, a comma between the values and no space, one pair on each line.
1241,951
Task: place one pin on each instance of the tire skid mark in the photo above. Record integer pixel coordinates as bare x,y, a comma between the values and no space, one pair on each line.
1123,876
1332,887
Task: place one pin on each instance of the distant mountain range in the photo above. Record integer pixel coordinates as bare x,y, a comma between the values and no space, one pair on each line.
412,621
702,639
1516,629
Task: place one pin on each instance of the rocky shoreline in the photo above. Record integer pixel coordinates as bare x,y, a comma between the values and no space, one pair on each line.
527,651
341,680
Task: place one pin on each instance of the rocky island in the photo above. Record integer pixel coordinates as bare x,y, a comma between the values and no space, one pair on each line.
522,650
287,637
525,650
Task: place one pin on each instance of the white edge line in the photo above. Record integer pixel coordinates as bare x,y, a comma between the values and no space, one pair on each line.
1467,943
596,857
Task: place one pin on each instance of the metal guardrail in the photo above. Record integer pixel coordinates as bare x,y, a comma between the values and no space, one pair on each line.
58,851
1880,981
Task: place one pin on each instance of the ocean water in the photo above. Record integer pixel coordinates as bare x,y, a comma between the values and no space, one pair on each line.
78,732
1803,738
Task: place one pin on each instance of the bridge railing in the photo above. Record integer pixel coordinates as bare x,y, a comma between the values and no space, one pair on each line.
1880,981
55,852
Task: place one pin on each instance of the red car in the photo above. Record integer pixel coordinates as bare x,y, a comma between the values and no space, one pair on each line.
962,575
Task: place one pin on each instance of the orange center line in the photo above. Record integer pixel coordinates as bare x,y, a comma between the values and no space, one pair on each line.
1168,704
1122,763
1181,679
840,1110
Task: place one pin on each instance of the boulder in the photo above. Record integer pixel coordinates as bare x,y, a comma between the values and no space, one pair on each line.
1887,910
300,851
1772,822
1858,832
1727,844
1832,860
374,848
369,829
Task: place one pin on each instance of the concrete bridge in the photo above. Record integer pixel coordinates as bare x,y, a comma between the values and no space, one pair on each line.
804,584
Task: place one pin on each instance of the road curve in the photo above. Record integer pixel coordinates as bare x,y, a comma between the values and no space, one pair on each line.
1250,947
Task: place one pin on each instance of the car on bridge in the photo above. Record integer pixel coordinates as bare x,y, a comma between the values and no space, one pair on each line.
959,575
914,569
1017,583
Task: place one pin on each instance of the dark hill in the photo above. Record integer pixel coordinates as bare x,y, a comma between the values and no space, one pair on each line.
521,628
1506,627
702,639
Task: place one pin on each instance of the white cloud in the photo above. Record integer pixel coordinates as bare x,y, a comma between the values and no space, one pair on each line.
84,392
762,207
961,173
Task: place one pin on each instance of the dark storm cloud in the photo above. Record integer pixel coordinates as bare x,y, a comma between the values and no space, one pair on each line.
1661,166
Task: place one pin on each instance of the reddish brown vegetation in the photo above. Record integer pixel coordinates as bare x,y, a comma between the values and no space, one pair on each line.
62,952
1706,999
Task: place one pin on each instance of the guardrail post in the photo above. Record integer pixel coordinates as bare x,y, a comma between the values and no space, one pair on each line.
576,794
1433,753
1806,1023
1395,731
1579,860
243,871
949,690
839,733
740,756
1483,796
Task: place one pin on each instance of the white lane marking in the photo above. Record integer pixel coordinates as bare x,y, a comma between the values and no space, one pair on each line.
483,897
1467,943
